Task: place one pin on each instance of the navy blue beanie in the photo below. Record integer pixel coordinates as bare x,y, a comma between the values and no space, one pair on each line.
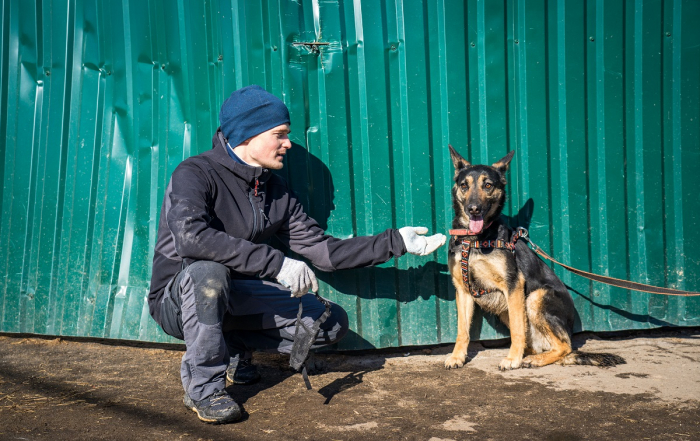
250,111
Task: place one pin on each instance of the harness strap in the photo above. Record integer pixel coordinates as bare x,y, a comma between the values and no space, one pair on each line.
467,246
305,337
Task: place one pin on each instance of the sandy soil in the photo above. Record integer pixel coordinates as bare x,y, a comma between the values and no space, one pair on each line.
85,390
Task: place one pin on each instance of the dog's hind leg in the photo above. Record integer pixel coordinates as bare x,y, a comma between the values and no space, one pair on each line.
548,330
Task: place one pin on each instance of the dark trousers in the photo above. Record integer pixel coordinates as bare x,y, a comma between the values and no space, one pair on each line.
219,317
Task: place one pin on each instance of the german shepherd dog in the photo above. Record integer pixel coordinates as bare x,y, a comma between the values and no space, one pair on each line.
515,285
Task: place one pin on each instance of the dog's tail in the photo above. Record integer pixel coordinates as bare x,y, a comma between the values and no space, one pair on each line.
592,359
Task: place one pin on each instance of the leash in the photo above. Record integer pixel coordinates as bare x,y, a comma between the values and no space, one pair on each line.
625,284
521,232
304,338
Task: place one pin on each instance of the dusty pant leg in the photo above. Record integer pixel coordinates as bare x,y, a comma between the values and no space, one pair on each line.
203,288
263,317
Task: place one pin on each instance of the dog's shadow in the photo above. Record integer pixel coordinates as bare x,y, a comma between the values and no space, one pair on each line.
523,218
580,333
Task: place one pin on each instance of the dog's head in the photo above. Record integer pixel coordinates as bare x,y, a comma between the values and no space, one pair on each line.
479,191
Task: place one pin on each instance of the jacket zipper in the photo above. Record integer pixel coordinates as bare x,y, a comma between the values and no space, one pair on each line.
255,216
256,231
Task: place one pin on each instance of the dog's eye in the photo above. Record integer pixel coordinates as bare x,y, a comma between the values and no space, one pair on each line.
488,186
463,186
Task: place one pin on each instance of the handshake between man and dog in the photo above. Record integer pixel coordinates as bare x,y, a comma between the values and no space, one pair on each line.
491,268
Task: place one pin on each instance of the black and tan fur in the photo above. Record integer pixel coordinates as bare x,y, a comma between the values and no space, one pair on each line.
528,297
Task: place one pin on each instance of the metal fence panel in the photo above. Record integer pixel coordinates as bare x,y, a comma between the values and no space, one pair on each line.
100,100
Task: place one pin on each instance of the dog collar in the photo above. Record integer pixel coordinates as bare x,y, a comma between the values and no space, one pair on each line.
466,232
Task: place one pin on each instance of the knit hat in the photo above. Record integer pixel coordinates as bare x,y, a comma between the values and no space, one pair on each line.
250,111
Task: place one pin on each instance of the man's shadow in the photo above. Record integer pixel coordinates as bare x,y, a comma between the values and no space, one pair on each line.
312,182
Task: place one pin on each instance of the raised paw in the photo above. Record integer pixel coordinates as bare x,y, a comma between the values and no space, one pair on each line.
510,363
455,361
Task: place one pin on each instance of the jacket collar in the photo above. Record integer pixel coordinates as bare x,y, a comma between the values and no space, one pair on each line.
246,172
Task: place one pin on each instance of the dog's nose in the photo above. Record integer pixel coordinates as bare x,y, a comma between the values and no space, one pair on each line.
474,209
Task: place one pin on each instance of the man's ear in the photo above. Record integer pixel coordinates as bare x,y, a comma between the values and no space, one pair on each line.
457,160
503,163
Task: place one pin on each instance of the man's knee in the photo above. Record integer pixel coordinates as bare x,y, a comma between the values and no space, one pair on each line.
208,271
209,283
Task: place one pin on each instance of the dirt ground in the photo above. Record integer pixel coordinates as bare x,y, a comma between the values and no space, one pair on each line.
85,390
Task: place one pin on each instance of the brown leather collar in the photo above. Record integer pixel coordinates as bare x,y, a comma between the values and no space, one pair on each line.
466,232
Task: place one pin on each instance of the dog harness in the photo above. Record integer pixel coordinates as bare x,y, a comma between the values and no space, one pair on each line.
468,245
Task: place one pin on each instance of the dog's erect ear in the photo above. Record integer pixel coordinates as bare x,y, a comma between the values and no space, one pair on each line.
457,160
503,164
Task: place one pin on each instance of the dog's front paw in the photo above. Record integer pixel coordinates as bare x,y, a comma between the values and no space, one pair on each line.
510,363
455,361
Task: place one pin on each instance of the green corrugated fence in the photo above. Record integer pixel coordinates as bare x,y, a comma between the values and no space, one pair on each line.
100,100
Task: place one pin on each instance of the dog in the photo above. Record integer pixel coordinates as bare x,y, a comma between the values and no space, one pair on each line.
505,277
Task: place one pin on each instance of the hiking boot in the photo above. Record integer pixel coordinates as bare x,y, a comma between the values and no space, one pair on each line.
217,408
243,372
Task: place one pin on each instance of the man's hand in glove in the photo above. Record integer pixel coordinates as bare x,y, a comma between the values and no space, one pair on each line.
297,276
418,244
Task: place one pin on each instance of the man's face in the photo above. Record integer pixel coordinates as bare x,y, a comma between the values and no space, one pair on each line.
267,149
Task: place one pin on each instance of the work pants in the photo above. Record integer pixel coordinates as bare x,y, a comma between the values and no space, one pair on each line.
219,317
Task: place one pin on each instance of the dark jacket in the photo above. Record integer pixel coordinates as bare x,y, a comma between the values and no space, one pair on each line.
211,212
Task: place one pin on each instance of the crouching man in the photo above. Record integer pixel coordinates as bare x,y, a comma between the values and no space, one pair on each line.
216,282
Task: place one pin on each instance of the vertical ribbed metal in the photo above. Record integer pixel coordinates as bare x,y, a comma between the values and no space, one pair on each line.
600,99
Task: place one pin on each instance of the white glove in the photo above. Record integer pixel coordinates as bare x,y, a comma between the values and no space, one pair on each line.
297,276
421,245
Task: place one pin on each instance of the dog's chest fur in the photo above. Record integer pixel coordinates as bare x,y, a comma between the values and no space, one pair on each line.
490,269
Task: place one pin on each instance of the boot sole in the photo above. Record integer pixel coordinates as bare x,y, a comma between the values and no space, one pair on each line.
243,383
213,420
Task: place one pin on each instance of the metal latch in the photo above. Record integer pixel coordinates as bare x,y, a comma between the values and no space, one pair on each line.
311,46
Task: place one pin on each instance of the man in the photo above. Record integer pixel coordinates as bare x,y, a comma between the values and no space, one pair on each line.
216,282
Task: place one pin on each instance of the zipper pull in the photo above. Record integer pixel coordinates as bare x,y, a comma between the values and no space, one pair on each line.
256,186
